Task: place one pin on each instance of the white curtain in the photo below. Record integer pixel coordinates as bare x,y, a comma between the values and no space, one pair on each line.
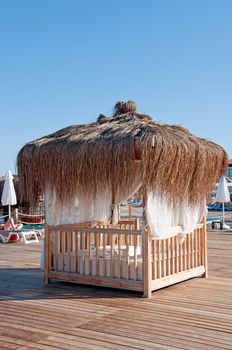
77,209
166,220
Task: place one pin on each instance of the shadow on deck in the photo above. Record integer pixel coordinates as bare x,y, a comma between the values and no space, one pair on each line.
28,284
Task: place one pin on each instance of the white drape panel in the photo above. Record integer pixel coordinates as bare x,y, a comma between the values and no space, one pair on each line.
190,216
167,220
86,208
78,209
164,220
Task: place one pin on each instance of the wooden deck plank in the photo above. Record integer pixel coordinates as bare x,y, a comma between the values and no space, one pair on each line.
164,338
169,331
6,345
195,314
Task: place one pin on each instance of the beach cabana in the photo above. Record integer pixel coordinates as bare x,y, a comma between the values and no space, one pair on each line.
86,171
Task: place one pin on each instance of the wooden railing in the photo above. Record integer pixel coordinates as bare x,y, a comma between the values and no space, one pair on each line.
171,259
169,256
101,255
123,257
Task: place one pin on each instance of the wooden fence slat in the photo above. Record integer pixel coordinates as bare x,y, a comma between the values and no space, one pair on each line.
192,249
176,254
90,253
76,251
188,251
127,258
199,231
119,256
55,251
112,255
168,256
163,258
104,253
172,256
180,257
184,255
158,260
135,257
63,249
69,239
195,248
153,250
83,251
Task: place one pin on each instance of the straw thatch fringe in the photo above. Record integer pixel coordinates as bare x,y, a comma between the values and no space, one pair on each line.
88,158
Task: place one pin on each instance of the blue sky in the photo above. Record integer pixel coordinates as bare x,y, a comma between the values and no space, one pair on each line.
62,62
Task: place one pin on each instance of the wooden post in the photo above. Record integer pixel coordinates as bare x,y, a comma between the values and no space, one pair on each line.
137,224
46,254
16,215
119,212
146,264
147,278
205,247
130,212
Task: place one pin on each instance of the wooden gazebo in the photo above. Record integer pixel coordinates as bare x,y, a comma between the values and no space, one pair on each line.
86,171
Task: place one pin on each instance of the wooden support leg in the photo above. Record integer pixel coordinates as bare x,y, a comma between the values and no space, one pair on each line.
205,248
146,264
47,255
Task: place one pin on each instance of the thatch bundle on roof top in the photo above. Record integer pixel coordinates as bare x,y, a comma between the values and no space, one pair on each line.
87,158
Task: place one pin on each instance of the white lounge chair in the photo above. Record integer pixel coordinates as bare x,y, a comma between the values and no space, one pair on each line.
28,236
9,236
25,236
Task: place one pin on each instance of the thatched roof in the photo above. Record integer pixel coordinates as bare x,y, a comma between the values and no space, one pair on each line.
87,158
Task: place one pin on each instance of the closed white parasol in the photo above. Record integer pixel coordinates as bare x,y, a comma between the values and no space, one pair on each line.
8,193
223,196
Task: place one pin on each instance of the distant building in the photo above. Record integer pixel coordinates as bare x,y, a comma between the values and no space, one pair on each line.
229,171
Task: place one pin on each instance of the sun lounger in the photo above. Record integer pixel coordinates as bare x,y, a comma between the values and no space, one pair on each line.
12,232
19,235
29,236
9,236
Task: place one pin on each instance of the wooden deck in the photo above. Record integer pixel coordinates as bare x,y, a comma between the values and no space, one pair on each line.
196,314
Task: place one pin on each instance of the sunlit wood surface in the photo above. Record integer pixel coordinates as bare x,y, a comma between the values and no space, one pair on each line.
196,314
